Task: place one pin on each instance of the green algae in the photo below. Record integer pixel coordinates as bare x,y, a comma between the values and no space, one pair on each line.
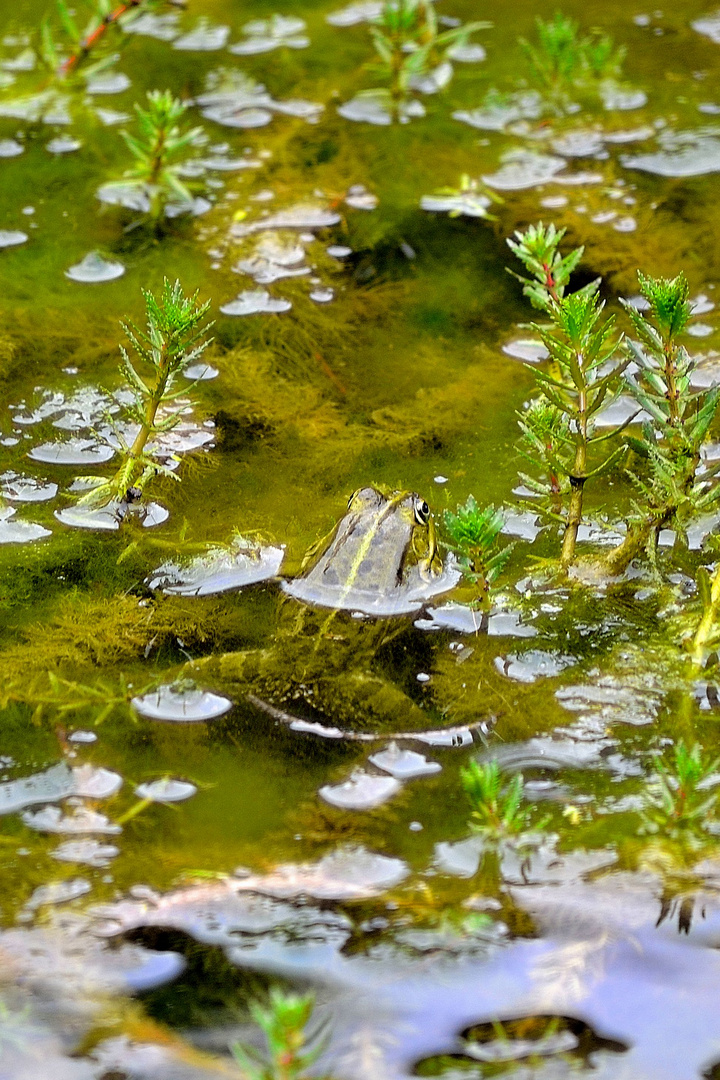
398,380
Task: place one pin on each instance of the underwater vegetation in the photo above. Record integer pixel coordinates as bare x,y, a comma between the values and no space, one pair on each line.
359,662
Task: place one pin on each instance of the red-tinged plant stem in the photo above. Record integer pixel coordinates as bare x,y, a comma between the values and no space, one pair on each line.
89,42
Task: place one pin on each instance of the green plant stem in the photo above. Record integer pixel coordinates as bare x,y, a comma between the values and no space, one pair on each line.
577,485
148,426
89,42
705,629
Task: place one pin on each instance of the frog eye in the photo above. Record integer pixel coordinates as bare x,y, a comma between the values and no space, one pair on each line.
422,511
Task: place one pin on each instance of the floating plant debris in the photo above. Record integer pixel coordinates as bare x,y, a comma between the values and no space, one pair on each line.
165,790
181,704
94,269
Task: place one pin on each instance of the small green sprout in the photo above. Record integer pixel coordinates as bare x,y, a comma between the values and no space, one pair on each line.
409,46
496,807
672,492
175,337
474,535
159,152
583,378
290,1053
563,60
683,796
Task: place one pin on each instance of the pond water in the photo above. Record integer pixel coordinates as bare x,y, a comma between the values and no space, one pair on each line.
210,781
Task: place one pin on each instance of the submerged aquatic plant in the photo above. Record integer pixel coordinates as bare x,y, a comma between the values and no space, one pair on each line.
154,180
497,810
72,48
174,338
411,49
474,535
672,493
683,795
290,1050
563,59
558,428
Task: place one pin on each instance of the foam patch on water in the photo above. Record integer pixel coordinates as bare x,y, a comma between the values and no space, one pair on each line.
94,269
467,205
234,100
500,115
402,763
81,820
63,144
26,488
10,148
530,350
108,82
12,238
221,570
681,153
366,11
166,790
203,38
522,169
374,108
308,217
255,302
90,852
264,35
362,791
178,703
16,531
56,783
160,27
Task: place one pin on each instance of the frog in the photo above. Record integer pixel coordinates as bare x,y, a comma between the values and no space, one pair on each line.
357,591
